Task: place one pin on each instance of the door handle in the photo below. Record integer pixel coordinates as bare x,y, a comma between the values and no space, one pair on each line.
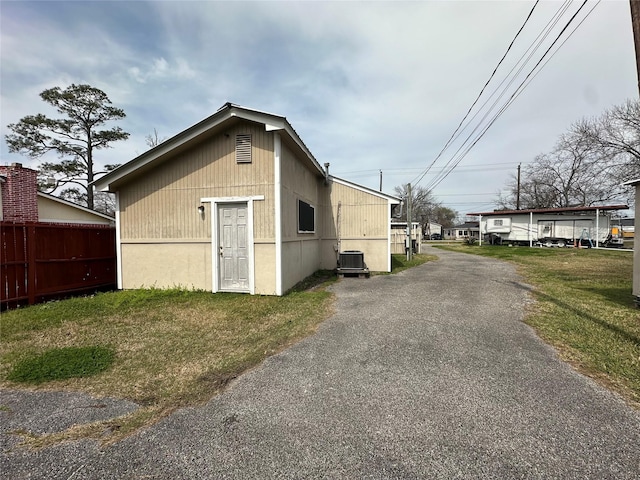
220,250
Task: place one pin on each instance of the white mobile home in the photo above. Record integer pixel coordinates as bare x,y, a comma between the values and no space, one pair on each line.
551,226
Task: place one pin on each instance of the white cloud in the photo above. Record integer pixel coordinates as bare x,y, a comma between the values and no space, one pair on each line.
161,69
376,85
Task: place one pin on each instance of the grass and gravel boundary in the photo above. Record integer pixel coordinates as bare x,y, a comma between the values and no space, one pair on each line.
584,308
162,349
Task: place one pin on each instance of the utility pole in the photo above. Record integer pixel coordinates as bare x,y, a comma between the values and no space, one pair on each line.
635,22
380,180
409,252
518,189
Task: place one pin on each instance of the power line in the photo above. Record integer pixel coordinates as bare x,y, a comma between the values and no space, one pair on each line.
519,65
389,171
560,46
480,94
509,101
516,93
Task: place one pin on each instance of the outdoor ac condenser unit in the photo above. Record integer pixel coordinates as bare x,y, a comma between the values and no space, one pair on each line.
352,259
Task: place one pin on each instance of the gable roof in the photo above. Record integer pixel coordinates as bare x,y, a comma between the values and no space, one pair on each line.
67,203
391,198
201,130
467,225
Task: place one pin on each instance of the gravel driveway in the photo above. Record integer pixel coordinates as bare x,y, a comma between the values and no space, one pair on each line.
426,374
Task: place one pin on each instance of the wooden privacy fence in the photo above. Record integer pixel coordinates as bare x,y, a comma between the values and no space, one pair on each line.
399,239
40,261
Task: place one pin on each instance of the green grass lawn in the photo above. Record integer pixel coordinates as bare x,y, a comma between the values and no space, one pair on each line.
399,262
584,308
163,349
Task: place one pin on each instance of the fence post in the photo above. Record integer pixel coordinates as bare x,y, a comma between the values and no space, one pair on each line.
31,263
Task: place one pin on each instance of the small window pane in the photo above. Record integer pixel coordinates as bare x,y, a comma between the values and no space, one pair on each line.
306,218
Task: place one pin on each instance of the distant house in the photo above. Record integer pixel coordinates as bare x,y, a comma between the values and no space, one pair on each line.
20,201
237,203
462,231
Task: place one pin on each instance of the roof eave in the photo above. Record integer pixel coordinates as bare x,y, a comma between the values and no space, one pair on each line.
71,204
394,200
270,121
551,210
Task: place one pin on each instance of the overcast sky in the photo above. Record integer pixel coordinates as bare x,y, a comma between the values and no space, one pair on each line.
368,86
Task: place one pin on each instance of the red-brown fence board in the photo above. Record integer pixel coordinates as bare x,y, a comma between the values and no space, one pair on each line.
40,261
13,262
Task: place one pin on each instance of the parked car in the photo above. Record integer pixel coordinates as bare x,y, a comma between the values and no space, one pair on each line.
436,236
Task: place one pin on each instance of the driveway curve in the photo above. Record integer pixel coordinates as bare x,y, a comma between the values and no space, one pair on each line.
426,374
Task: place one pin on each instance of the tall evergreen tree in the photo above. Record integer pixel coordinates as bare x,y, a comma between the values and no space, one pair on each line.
74,138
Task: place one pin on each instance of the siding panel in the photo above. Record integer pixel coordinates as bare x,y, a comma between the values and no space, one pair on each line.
163,204
298,182
355,220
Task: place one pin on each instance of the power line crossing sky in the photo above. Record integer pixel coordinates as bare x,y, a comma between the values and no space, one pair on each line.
369,86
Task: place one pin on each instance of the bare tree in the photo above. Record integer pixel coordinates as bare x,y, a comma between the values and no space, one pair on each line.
422,203
445,216
425,208
615,139
587,165
153,139
105,202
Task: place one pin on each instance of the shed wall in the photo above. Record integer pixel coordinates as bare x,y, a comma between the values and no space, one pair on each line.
163,204
167,265
166,242
301,254
363,225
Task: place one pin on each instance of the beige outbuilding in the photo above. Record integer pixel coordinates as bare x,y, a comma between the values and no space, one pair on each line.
237,203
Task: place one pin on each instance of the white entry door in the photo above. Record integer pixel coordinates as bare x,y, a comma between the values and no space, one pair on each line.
233,247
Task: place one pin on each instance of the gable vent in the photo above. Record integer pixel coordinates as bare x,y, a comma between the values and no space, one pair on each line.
243,148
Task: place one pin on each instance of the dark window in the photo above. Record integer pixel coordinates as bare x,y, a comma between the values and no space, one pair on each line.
306,218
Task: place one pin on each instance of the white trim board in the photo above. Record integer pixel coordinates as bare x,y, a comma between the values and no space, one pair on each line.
277,191
118,243
215,201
